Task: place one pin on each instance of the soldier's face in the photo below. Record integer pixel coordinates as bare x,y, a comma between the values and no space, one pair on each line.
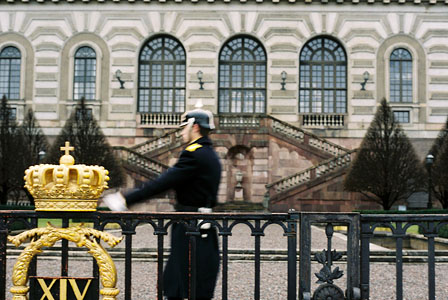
186,133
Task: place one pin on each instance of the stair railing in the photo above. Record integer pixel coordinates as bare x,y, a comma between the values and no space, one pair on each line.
303,136
302,177
138,160
158,142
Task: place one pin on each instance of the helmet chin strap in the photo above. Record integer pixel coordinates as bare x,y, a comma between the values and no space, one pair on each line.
189,128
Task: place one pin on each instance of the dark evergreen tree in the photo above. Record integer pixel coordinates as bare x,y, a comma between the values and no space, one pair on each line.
34,145
439,172
386,168
91,146
11,172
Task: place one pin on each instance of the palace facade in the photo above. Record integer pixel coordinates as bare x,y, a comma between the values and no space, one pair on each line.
293,84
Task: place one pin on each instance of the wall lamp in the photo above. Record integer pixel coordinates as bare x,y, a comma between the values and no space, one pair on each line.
201,83
283,83
366,77
118,74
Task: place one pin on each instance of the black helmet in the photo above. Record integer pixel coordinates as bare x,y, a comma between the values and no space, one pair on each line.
203,118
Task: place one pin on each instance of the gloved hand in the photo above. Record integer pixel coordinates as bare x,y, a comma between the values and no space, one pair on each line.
115,202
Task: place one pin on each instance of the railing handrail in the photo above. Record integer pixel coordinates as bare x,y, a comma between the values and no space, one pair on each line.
310,135
160,167
140,147
310,169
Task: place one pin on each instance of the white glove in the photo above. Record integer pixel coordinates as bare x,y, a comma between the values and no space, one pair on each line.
205,225
115,202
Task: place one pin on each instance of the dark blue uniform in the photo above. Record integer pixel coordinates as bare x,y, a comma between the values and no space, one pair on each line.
195,178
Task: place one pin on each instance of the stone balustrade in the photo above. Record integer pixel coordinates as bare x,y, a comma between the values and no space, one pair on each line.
288,130
136,159
326,146
158,142
245,121
302,136
159,120
309,174
323,120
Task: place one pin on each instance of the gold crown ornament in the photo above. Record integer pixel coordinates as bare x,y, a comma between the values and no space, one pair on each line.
66,187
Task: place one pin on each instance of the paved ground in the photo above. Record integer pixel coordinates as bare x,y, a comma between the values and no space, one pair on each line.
273,274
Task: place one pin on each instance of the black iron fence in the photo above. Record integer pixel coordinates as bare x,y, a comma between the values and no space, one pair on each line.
296,231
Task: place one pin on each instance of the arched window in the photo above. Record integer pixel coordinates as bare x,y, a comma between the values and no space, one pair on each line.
400,76
161,85
242,77
85,74
10,73
323,77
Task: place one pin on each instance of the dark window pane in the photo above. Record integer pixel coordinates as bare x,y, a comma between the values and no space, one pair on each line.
242,77
84,81
323,77
400,77
10,61
162,76
401,116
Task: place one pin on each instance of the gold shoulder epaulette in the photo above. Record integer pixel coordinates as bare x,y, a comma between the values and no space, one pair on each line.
193,147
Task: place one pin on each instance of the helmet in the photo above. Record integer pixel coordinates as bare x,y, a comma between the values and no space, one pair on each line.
203,118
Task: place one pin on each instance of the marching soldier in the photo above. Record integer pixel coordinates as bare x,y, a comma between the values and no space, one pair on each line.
195,178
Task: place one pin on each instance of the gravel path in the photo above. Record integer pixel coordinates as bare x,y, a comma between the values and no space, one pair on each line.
273,274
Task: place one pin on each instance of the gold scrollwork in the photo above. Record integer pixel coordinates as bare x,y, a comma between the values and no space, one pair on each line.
79,235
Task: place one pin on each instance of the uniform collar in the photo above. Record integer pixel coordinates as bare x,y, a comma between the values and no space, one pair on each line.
203,140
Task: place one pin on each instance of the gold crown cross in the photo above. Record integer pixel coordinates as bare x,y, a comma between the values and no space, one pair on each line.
67,159
67,148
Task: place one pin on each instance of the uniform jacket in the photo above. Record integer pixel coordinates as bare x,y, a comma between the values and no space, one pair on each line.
195,178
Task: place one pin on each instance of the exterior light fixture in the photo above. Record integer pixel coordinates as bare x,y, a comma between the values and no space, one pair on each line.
283,83
201,83
41,155
366,77
118,74
429,160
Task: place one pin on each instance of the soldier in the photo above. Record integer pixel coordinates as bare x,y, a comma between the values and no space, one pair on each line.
195,178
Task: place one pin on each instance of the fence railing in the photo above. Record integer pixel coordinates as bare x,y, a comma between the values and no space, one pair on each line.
299,254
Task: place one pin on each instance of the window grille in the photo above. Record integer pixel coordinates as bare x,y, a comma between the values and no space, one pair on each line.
402,116
161,86
10,59
323,77
85,74
401,76
242,77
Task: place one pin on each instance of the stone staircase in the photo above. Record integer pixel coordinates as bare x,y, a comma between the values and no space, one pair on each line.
291,133
337,163
171,139
137,163
332,158
303,137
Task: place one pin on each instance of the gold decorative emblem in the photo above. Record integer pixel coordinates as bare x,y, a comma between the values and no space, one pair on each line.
66,187
79,235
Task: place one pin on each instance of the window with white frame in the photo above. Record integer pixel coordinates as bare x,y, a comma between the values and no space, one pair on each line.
161,84
84,84
400,76
242,77
10,59
323,77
